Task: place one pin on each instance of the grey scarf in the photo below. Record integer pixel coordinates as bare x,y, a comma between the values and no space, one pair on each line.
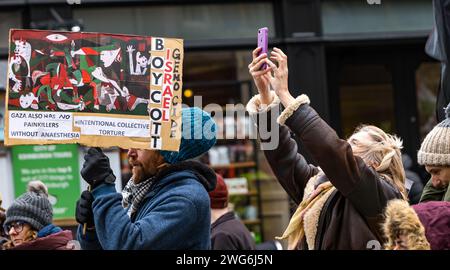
133,194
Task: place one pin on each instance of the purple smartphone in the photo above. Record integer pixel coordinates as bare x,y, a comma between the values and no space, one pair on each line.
262,42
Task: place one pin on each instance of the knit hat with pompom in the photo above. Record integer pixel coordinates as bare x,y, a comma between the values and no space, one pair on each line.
32,207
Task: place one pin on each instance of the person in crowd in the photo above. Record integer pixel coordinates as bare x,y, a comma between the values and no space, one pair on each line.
413,183
341,201
29,223
165,204
227,231
435,217
3,236
402,228
420,226
434,153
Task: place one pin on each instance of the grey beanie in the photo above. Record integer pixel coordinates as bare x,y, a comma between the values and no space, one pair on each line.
32,207
435,148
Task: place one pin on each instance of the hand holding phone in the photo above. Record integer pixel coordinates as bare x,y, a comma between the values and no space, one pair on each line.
262,42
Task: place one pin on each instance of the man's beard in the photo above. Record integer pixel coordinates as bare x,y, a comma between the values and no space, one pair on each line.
138,173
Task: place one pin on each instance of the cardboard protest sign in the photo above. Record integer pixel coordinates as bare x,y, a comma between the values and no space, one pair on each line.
94,89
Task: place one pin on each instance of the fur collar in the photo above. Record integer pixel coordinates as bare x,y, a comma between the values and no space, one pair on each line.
311,219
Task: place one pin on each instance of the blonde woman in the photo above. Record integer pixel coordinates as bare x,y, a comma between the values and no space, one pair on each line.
340,202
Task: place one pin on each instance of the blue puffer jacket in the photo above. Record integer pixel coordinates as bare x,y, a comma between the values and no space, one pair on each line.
174,215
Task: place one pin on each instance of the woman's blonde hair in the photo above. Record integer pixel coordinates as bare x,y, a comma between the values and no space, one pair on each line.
29,236
382,152
401,219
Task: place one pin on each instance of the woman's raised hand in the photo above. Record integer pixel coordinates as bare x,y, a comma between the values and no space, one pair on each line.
279,80
261,77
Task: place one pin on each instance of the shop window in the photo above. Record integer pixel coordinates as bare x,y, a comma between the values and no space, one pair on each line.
366,97
357,16
2,116
207,74
219,77
125,167
8,20
3,71
427,85
193,22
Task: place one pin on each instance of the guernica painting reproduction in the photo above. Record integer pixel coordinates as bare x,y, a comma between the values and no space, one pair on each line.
95,89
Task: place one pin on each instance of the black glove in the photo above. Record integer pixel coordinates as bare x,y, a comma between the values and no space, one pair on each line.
96,169
84,213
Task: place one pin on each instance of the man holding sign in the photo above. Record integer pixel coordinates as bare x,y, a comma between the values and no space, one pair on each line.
165,205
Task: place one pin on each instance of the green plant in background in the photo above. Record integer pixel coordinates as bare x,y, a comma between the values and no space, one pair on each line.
257,237
257,175
239,203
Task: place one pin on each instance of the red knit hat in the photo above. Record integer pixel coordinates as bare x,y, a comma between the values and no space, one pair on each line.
219,196
435,217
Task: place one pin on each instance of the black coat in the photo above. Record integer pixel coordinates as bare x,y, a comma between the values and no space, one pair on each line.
229,233
438,47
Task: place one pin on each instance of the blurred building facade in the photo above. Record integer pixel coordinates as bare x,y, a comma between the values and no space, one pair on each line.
358,62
